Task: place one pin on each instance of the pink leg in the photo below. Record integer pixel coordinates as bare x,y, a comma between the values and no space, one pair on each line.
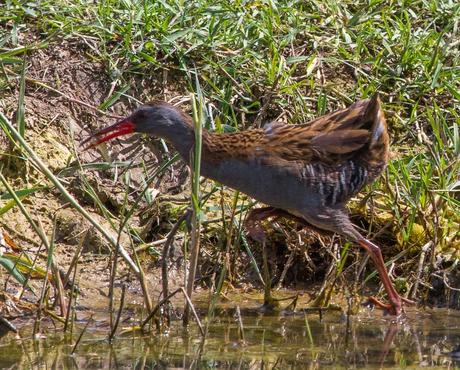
396,300
256,232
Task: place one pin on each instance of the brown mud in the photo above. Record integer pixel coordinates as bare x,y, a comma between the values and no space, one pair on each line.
56,124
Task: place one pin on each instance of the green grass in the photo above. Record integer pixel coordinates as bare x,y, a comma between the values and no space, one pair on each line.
262,60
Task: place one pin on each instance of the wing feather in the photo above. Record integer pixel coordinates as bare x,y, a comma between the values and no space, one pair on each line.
332,138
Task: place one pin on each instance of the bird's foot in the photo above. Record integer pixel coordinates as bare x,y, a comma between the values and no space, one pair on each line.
256,232
257,215
270,304
393,308
253,222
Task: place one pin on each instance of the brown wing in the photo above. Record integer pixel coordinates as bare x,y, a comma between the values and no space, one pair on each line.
328,138
332,138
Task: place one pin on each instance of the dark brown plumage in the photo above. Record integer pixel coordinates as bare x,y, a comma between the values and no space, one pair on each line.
308,171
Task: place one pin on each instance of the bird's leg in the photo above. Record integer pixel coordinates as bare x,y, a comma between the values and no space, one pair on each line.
256,231
256,215
336,219
253,225
395,299
269,302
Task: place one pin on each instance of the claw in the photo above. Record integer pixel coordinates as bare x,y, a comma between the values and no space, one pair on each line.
408,301
393,308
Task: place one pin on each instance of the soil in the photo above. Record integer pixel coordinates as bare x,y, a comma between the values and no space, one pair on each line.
55,126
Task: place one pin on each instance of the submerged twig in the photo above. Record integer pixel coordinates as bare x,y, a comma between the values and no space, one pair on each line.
307,326
120,310
81,335
192,308
59,286
240,323
50,250
72,293
157,307
165,254
60,296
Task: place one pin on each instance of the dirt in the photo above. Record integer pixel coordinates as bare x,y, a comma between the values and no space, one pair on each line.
56,124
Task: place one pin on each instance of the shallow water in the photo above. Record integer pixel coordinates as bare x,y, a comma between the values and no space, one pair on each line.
421,339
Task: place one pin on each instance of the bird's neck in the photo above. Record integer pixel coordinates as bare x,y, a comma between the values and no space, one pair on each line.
178,130
185,144
181,135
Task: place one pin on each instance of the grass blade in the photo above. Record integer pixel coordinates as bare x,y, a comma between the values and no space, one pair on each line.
20,119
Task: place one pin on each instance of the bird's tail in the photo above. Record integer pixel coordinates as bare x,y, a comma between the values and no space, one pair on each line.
374,120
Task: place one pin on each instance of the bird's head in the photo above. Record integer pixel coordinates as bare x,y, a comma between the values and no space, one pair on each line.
155,118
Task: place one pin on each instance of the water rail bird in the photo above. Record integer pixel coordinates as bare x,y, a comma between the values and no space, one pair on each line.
307,171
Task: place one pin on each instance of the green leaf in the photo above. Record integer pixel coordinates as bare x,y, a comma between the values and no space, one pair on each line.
7,207
22,193
113,98
178,34
25,265
12,270
10,60
146,56
454,91
296,59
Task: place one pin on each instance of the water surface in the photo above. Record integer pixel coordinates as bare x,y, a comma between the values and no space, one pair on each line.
424,338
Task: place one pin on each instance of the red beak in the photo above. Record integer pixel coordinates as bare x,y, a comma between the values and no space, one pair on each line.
123,127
